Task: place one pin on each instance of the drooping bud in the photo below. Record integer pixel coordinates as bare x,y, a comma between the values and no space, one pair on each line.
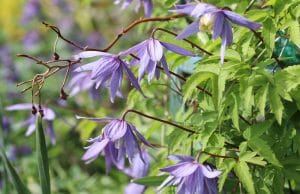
33,111
63,94
206,22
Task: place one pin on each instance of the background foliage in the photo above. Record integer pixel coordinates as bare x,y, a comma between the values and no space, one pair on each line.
259,82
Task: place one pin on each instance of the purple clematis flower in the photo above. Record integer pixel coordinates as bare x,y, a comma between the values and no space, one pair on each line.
189,176
209,17
119,140
108,67
148,6
138,169
150,53
49,116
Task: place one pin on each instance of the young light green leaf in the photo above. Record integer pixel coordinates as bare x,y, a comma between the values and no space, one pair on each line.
264,150
18,184
250,157
42,157
225,167
262,98
235,113
242,171
269,32
276,104
194,81
257,130
150,180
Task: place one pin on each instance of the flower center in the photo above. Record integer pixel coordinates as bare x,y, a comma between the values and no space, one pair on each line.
206,22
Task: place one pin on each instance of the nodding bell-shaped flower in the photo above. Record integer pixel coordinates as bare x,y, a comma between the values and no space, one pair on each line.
189,176
49,116
150,54
118,142
109,67
211,18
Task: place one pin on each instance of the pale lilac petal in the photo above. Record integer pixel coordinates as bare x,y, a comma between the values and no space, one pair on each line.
115,130
193,28
151,70
14,107
133,188
203,8
181,169
50,132
87,67
165,66
133,49
240,20
155,50
218,28
226,39
30,129
167,182
88,54
95,149
105,67
186,9
48,114
148,7
140,136
177,49
143,64
181,158
114,84
132,79
126,4
208,173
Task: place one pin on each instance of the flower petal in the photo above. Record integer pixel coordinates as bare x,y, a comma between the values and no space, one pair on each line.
88,54
95,149
181,158
114,83
240,20
203,8
210,173
154,49
14,107
218,25
181,169
177,49
190,30
134,49
148,7
132,79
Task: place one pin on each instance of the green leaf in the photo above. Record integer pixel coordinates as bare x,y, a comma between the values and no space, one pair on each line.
150,180
242,171
264,150
169,3
294,32
249,157
193,82
235,113
257,130
226,167
42,157
19,185
276,104
268,33
262,98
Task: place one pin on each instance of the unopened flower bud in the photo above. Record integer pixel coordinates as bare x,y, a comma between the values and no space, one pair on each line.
33,111
206,22
63,94
55,56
